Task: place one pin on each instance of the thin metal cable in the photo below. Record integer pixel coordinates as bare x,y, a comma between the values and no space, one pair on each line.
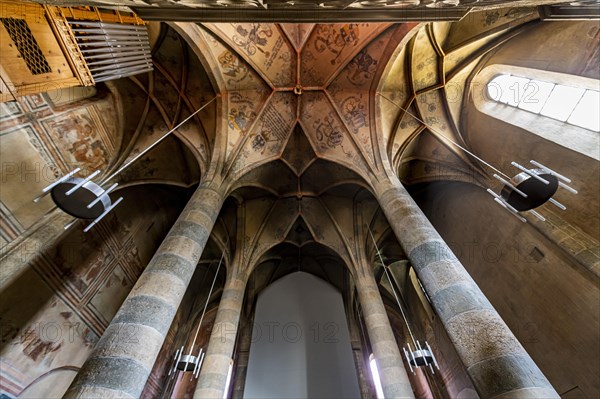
444,138
151,146
360,323
393,290
206,304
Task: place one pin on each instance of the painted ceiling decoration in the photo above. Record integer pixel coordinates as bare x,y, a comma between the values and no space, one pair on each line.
357,95
299,134
335,83
308,118
423,90
300,102
306,11
275,78
319,81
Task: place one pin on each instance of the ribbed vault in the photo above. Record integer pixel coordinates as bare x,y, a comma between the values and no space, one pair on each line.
361,95
425,88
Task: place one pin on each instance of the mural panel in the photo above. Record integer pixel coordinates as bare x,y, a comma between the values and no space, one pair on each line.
40,141
327,132
331,46
246,91
270,132
80,138
69,293
350,91
265,46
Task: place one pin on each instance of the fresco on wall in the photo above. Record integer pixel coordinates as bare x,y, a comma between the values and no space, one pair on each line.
40,142
71,292
79,138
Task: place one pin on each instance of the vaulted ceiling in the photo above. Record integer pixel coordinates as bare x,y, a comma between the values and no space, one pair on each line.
306,118
361,95
303,118
301,114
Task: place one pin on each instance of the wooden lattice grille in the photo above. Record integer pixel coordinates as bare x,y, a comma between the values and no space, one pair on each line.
28,47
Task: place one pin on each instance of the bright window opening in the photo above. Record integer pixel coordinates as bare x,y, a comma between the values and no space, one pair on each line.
573,105
589,105
376,379
228,381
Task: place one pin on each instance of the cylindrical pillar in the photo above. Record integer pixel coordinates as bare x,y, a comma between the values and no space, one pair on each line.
392,373
496,362
213,375
243,356
361,358
123,358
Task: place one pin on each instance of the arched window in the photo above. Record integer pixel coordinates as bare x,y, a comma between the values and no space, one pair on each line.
558,107
574,105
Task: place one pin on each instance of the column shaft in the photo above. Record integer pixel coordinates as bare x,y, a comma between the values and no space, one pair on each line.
360,357
392,373
123,358
496,362
243,356
213,376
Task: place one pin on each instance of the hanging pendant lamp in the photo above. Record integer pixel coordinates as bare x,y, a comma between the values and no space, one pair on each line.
421,355
527,190
189,362
85,199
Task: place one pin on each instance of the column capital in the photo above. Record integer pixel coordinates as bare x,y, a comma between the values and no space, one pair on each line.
213,185
362,266
386,183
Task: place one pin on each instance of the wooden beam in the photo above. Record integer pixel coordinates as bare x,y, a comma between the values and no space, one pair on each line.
297,15
81,14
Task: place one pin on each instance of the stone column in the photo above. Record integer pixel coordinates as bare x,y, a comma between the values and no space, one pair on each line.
213,375
361,359
123,358
243,355
392,373
495,360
